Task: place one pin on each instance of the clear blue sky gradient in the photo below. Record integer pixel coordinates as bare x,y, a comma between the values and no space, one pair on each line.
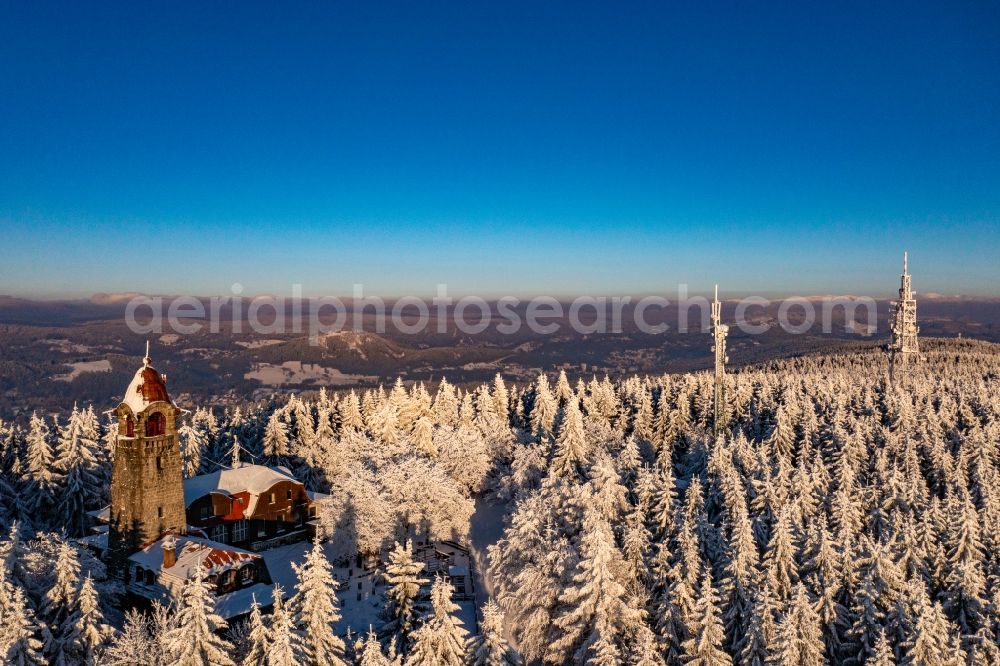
499,147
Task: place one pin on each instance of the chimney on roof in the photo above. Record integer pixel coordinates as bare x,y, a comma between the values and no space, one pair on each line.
169,547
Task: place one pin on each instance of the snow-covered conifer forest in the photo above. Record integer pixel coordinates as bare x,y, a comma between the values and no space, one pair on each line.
836,519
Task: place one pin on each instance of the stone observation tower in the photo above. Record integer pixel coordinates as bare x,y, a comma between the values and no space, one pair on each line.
719,332
147,491
903,347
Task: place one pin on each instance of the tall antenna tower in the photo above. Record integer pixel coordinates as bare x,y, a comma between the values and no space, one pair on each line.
903,347
719,332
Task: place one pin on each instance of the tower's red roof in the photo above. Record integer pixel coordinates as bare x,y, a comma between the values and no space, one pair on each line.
152,386
146,388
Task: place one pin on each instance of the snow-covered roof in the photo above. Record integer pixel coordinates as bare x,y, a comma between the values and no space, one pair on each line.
317,496
147,387
96,541
244,478
191,552
240,602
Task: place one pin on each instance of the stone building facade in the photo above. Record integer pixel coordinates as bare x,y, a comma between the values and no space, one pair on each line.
147,489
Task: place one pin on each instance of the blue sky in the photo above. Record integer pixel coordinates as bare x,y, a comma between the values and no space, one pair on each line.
498,147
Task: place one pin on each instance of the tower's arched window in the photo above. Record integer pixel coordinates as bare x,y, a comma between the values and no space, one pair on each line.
155,425
129,426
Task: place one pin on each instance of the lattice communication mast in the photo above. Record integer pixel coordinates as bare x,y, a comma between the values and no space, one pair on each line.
903,347
719,332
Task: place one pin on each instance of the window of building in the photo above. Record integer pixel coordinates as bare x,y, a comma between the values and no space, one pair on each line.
129,426
204,513
156,425
159,512
159,463
219,533
312,512
240,530
261,529
139,574
288,494
272,498
149,577
248,574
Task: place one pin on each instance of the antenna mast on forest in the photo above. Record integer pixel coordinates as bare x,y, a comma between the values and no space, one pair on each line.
903,347
719,332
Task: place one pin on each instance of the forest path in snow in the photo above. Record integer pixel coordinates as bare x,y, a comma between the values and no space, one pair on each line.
485,529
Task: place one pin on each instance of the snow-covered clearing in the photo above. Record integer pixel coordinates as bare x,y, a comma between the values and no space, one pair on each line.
257,344
297,372
104,365
68,347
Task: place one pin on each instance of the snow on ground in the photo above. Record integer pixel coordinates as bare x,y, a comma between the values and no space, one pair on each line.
104,365
361,593
297,372
67,347
257,344
362,588
485,529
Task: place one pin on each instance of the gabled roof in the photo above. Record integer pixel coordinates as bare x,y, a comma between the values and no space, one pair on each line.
244,478
213,557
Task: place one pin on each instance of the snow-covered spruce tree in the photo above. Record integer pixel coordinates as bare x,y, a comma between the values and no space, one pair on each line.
134,644
883,653
594,612
315,610
543,409
19,643
931,637
489,647
79,479
402,576
194,640
799,640
371,653
285,647
705,647
193,442
965,583
570,454
441,639
423,436
39,477
89,633
779,561
276,438
258,638
59,604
